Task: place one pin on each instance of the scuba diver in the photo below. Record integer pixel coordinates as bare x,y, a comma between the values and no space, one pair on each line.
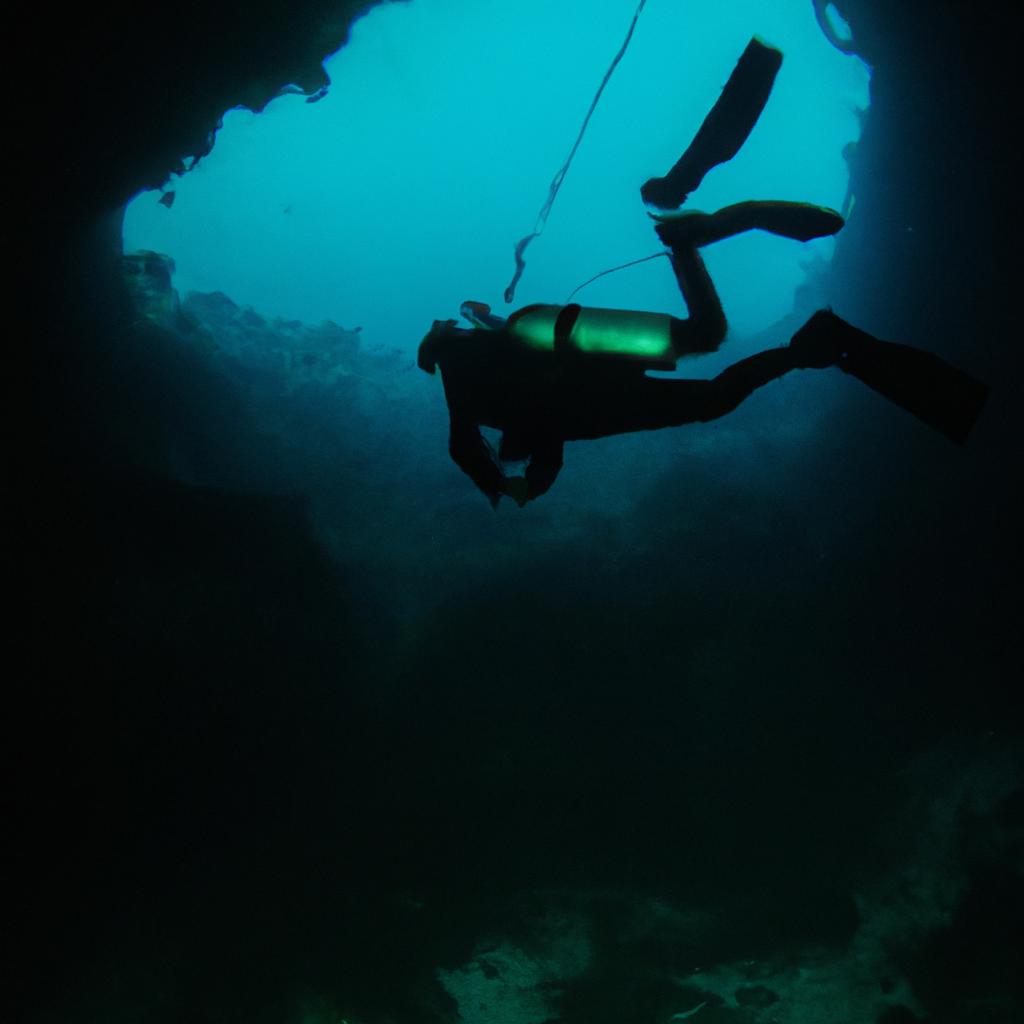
549,374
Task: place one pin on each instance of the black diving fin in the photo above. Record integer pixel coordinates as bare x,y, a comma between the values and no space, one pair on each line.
725,128
947,399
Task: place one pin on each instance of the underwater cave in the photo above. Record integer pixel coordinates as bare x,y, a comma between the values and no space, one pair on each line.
719,729
401,191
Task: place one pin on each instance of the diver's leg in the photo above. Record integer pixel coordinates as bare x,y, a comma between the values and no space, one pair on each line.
742,379
705,327
943,396
636,402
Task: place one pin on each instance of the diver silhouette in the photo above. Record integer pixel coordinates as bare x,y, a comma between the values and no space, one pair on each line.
549,374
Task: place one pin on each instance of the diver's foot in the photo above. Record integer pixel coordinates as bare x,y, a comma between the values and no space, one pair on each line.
659,193
681,230
825,340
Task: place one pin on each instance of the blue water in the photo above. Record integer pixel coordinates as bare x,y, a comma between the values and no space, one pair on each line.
403,191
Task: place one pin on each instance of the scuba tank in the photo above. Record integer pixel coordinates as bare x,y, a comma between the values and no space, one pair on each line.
623,334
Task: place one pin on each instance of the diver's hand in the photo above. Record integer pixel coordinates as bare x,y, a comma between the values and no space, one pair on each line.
517,489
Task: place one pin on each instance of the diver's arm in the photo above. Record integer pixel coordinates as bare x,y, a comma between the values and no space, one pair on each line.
469,451
545,464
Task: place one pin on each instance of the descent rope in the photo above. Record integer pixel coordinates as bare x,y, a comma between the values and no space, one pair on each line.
556,182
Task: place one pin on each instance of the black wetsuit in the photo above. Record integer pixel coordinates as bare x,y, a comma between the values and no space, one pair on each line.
540,400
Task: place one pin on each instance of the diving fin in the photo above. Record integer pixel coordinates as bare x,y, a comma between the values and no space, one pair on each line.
725,128
945,398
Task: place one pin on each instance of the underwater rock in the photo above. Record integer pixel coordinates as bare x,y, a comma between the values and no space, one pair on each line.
154,269
897,1015
508,982
325,354
148,276
134,116
755,995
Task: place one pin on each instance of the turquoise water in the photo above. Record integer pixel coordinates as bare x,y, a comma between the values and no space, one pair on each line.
403,191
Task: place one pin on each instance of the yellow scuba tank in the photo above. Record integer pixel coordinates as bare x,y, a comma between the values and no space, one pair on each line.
638,337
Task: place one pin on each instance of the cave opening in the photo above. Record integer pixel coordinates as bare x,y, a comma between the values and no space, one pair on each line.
402,191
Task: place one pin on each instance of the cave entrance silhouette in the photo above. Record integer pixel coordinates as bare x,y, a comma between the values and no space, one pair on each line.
401,191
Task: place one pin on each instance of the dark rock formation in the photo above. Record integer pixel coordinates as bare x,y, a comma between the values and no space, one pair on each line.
287,349
121,99
758,996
